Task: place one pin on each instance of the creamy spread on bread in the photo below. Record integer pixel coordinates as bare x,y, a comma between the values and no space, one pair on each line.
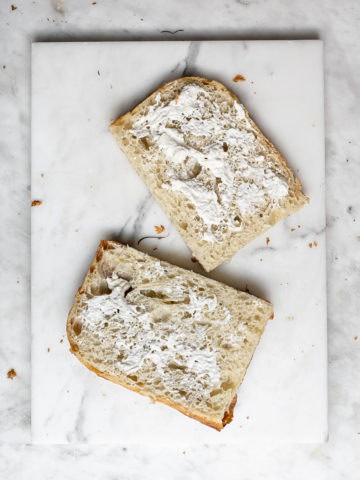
184,347
214,157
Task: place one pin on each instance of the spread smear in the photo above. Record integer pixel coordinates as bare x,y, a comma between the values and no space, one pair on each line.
215,160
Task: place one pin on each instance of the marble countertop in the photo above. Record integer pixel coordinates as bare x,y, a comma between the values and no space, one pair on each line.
336,23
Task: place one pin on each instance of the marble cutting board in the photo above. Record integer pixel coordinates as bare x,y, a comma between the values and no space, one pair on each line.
90,192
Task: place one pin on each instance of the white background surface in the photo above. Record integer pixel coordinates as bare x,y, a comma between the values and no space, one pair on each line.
90,191
336,23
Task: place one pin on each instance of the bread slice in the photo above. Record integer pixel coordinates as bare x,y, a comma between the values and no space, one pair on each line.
165,332
221,182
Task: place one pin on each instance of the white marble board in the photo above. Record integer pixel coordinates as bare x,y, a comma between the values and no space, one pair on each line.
90,192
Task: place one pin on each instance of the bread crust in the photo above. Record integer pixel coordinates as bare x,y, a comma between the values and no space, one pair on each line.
234,241
74,349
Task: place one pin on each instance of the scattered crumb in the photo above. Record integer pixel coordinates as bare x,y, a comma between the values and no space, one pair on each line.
42,175
61,341
98,72
310,244
184,453
299,226
267,240
17,281
315,243
252,83
36,203
194,259
247,418
293,229
290,317
356,338
13,7
4,66
261,259
11,374
159,228
48,349
155,248
349,141
239,78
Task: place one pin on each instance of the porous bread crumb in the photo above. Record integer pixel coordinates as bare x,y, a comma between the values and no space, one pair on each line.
36,203
165,332
214,219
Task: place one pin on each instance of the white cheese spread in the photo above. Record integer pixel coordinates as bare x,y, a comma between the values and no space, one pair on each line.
139,341
214,157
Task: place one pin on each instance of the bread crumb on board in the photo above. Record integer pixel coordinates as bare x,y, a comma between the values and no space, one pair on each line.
13,7
356,338
36,203
267,240
310,245
239,78
159,228
11,374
